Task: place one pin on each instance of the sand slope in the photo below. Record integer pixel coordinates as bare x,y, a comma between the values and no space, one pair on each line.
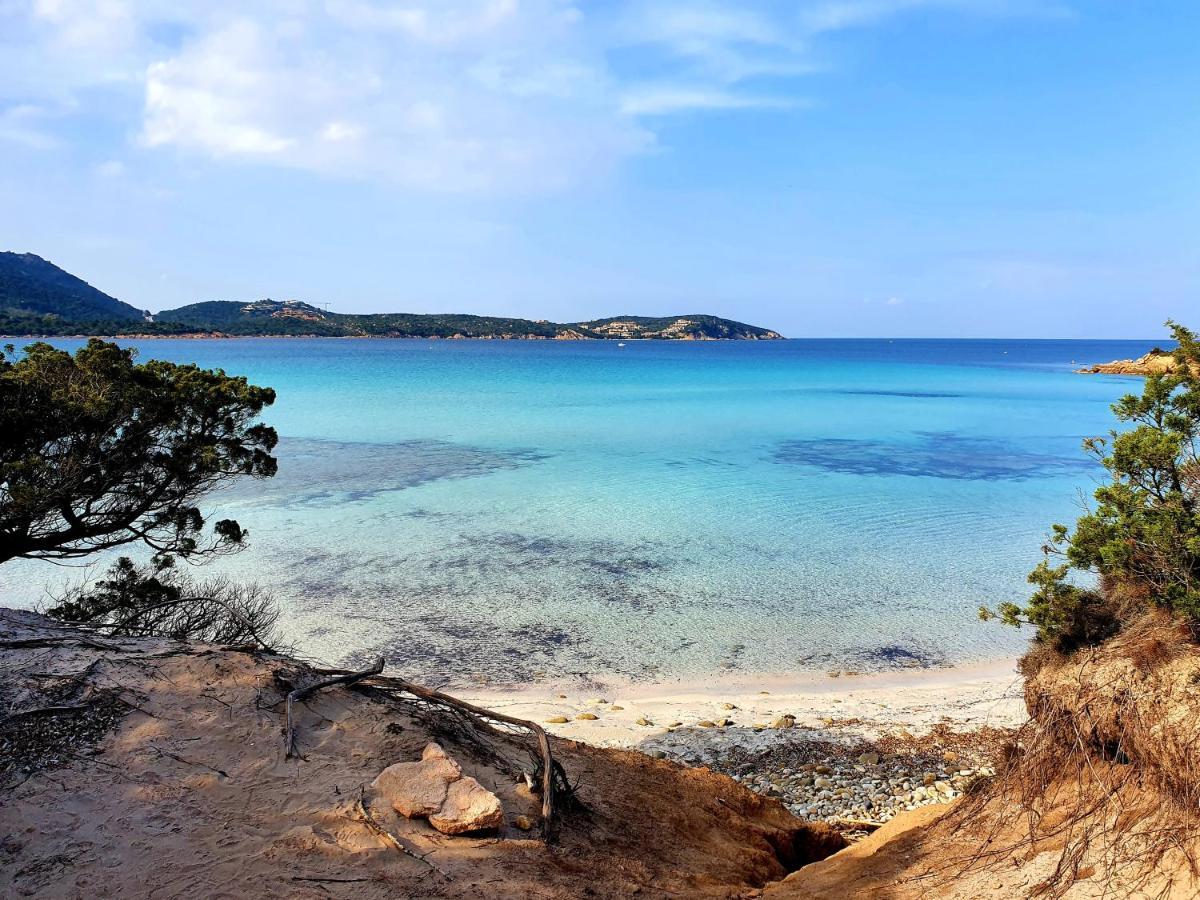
189,794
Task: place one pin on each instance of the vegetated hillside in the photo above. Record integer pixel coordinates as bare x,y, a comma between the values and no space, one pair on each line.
691,327
296,317
38,298
33,288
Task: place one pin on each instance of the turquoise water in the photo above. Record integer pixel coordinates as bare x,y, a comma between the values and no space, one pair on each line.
517,510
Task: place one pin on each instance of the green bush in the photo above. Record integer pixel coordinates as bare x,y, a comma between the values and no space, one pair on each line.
1142,539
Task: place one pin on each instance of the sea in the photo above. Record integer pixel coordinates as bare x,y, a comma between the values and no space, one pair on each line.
508,512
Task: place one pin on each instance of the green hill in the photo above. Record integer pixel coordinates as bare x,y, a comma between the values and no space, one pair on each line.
31,287
38,298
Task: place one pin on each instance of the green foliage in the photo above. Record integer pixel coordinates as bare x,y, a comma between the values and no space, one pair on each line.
1143,537
97,451
31,286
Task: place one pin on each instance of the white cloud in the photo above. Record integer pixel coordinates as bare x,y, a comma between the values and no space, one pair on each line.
839,15
23,124
659,100
430,94
112,168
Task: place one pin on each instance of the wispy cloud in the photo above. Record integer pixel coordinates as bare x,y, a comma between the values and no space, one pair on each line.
432,94
23,124
667,99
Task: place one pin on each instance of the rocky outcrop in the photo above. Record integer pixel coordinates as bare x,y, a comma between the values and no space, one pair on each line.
1156,362
436,789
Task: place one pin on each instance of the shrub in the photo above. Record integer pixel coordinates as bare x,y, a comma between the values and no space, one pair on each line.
1143,537
161,600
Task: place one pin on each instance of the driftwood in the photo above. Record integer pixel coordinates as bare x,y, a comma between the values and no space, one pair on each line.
300,693
549,768
861,824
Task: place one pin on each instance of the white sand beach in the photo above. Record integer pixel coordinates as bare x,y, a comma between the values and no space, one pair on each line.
845,708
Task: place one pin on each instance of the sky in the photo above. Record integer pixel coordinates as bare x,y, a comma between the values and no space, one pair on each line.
899,168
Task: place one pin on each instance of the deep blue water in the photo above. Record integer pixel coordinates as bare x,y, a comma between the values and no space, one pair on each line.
654,510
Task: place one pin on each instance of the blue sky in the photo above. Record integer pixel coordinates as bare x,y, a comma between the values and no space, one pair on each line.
826,168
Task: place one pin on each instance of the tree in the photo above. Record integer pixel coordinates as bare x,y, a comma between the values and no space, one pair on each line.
1143,538
98,451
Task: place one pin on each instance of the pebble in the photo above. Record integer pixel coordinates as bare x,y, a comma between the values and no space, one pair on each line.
871,786
587,717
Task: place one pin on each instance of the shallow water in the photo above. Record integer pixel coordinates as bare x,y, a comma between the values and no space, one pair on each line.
658,510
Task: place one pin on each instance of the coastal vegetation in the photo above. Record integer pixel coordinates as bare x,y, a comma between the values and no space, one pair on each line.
1141,542
98,451
39,299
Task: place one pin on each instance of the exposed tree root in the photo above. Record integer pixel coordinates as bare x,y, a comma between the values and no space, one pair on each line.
550,774
295,696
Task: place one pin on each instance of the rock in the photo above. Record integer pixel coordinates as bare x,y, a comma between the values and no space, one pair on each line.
616,708
435,788
728,706
557,720
524,823
928,778
469,806
950,756
704,723
644,721
869,759
675,725
822,770
788,721
587,717
417,789
725,722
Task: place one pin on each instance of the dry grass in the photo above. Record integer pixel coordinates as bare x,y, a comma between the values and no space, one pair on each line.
1106,771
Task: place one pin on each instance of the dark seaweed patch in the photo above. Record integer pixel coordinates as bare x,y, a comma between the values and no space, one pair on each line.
927,454
918,395
877,659
327,473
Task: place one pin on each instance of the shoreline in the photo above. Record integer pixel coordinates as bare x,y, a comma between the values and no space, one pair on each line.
691,718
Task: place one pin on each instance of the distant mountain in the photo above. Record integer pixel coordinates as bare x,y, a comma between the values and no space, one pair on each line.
31,287
38,298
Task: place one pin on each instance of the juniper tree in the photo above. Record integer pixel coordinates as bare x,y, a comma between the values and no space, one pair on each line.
99,451
1142,539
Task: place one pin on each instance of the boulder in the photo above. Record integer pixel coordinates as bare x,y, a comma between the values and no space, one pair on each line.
417,789
436,789
469,806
